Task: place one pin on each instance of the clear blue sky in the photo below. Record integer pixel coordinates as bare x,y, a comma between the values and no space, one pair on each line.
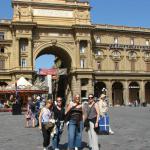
116,12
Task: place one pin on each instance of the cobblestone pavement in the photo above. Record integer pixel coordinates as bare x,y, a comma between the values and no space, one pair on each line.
131,127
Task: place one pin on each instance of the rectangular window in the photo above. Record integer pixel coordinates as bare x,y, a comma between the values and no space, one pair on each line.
1,35
23,45
2,64
23,62
132,41
82,63
148,67
1,49
98,40
99,65
147,43
115,40
132,65
83,46
116,66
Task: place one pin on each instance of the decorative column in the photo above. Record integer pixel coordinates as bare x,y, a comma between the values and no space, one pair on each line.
77,54
90,87
142,92
109,91
126,93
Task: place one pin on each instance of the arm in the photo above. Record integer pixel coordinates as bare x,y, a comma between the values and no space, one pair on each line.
40,119
97,116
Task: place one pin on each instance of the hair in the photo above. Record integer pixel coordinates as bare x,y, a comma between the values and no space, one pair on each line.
49,101
59,98
91,94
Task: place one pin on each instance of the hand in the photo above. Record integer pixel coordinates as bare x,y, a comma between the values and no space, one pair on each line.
96,124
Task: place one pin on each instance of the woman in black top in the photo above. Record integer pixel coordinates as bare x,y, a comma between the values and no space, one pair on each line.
75,126
59,115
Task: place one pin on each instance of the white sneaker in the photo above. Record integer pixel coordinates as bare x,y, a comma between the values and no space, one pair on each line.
76,148
45,149
111,132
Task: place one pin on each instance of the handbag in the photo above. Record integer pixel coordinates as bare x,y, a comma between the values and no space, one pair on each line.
49,126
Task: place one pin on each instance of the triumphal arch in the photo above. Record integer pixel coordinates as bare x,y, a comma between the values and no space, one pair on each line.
99,58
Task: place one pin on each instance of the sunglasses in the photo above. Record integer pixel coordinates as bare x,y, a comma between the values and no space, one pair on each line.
91,97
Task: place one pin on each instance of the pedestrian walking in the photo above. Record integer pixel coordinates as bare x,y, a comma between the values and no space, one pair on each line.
103,108
59,115
30,115
92,116
75,126
44,121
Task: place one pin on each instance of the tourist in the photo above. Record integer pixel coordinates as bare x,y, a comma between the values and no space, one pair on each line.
103,108
59,115
93,116
75,126
30,115
44,119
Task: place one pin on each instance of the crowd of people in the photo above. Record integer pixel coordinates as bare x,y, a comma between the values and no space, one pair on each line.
51,116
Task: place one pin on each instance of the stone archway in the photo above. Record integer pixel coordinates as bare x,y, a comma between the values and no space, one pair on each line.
62,52
147,92
134,89
58,49
99,88
117,93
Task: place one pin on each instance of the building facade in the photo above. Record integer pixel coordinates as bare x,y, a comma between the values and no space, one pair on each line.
99,58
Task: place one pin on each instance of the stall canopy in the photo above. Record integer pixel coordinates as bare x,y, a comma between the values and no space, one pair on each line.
23,83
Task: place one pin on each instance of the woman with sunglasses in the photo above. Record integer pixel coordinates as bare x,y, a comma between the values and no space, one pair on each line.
59,115
75,126
92,116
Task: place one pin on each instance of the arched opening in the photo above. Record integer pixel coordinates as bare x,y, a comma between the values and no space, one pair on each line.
117,93
99,88
3,84
134,92
147,92
53,57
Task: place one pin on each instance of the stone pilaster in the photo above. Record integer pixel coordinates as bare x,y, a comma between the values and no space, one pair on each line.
77,54
109,92
16,52
126,93
90,87
89,55
142,92
30,59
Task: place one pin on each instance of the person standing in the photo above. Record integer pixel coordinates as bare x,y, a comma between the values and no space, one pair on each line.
44,119
59,115
103,108
75,126
92,116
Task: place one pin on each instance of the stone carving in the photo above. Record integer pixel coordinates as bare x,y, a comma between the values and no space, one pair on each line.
132,55
147,56
116,55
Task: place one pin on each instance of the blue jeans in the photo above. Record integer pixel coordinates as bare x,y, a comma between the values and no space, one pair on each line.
75,134
56,138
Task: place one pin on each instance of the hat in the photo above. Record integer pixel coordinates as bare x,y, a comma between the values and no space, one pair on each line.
102,96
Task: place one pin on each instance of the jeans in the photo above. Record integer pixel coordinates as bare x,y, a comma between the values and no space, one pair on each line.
57,135
75,134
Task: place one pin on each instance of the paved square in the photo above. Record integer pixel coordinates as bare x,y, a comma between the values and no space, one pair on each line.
131,127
